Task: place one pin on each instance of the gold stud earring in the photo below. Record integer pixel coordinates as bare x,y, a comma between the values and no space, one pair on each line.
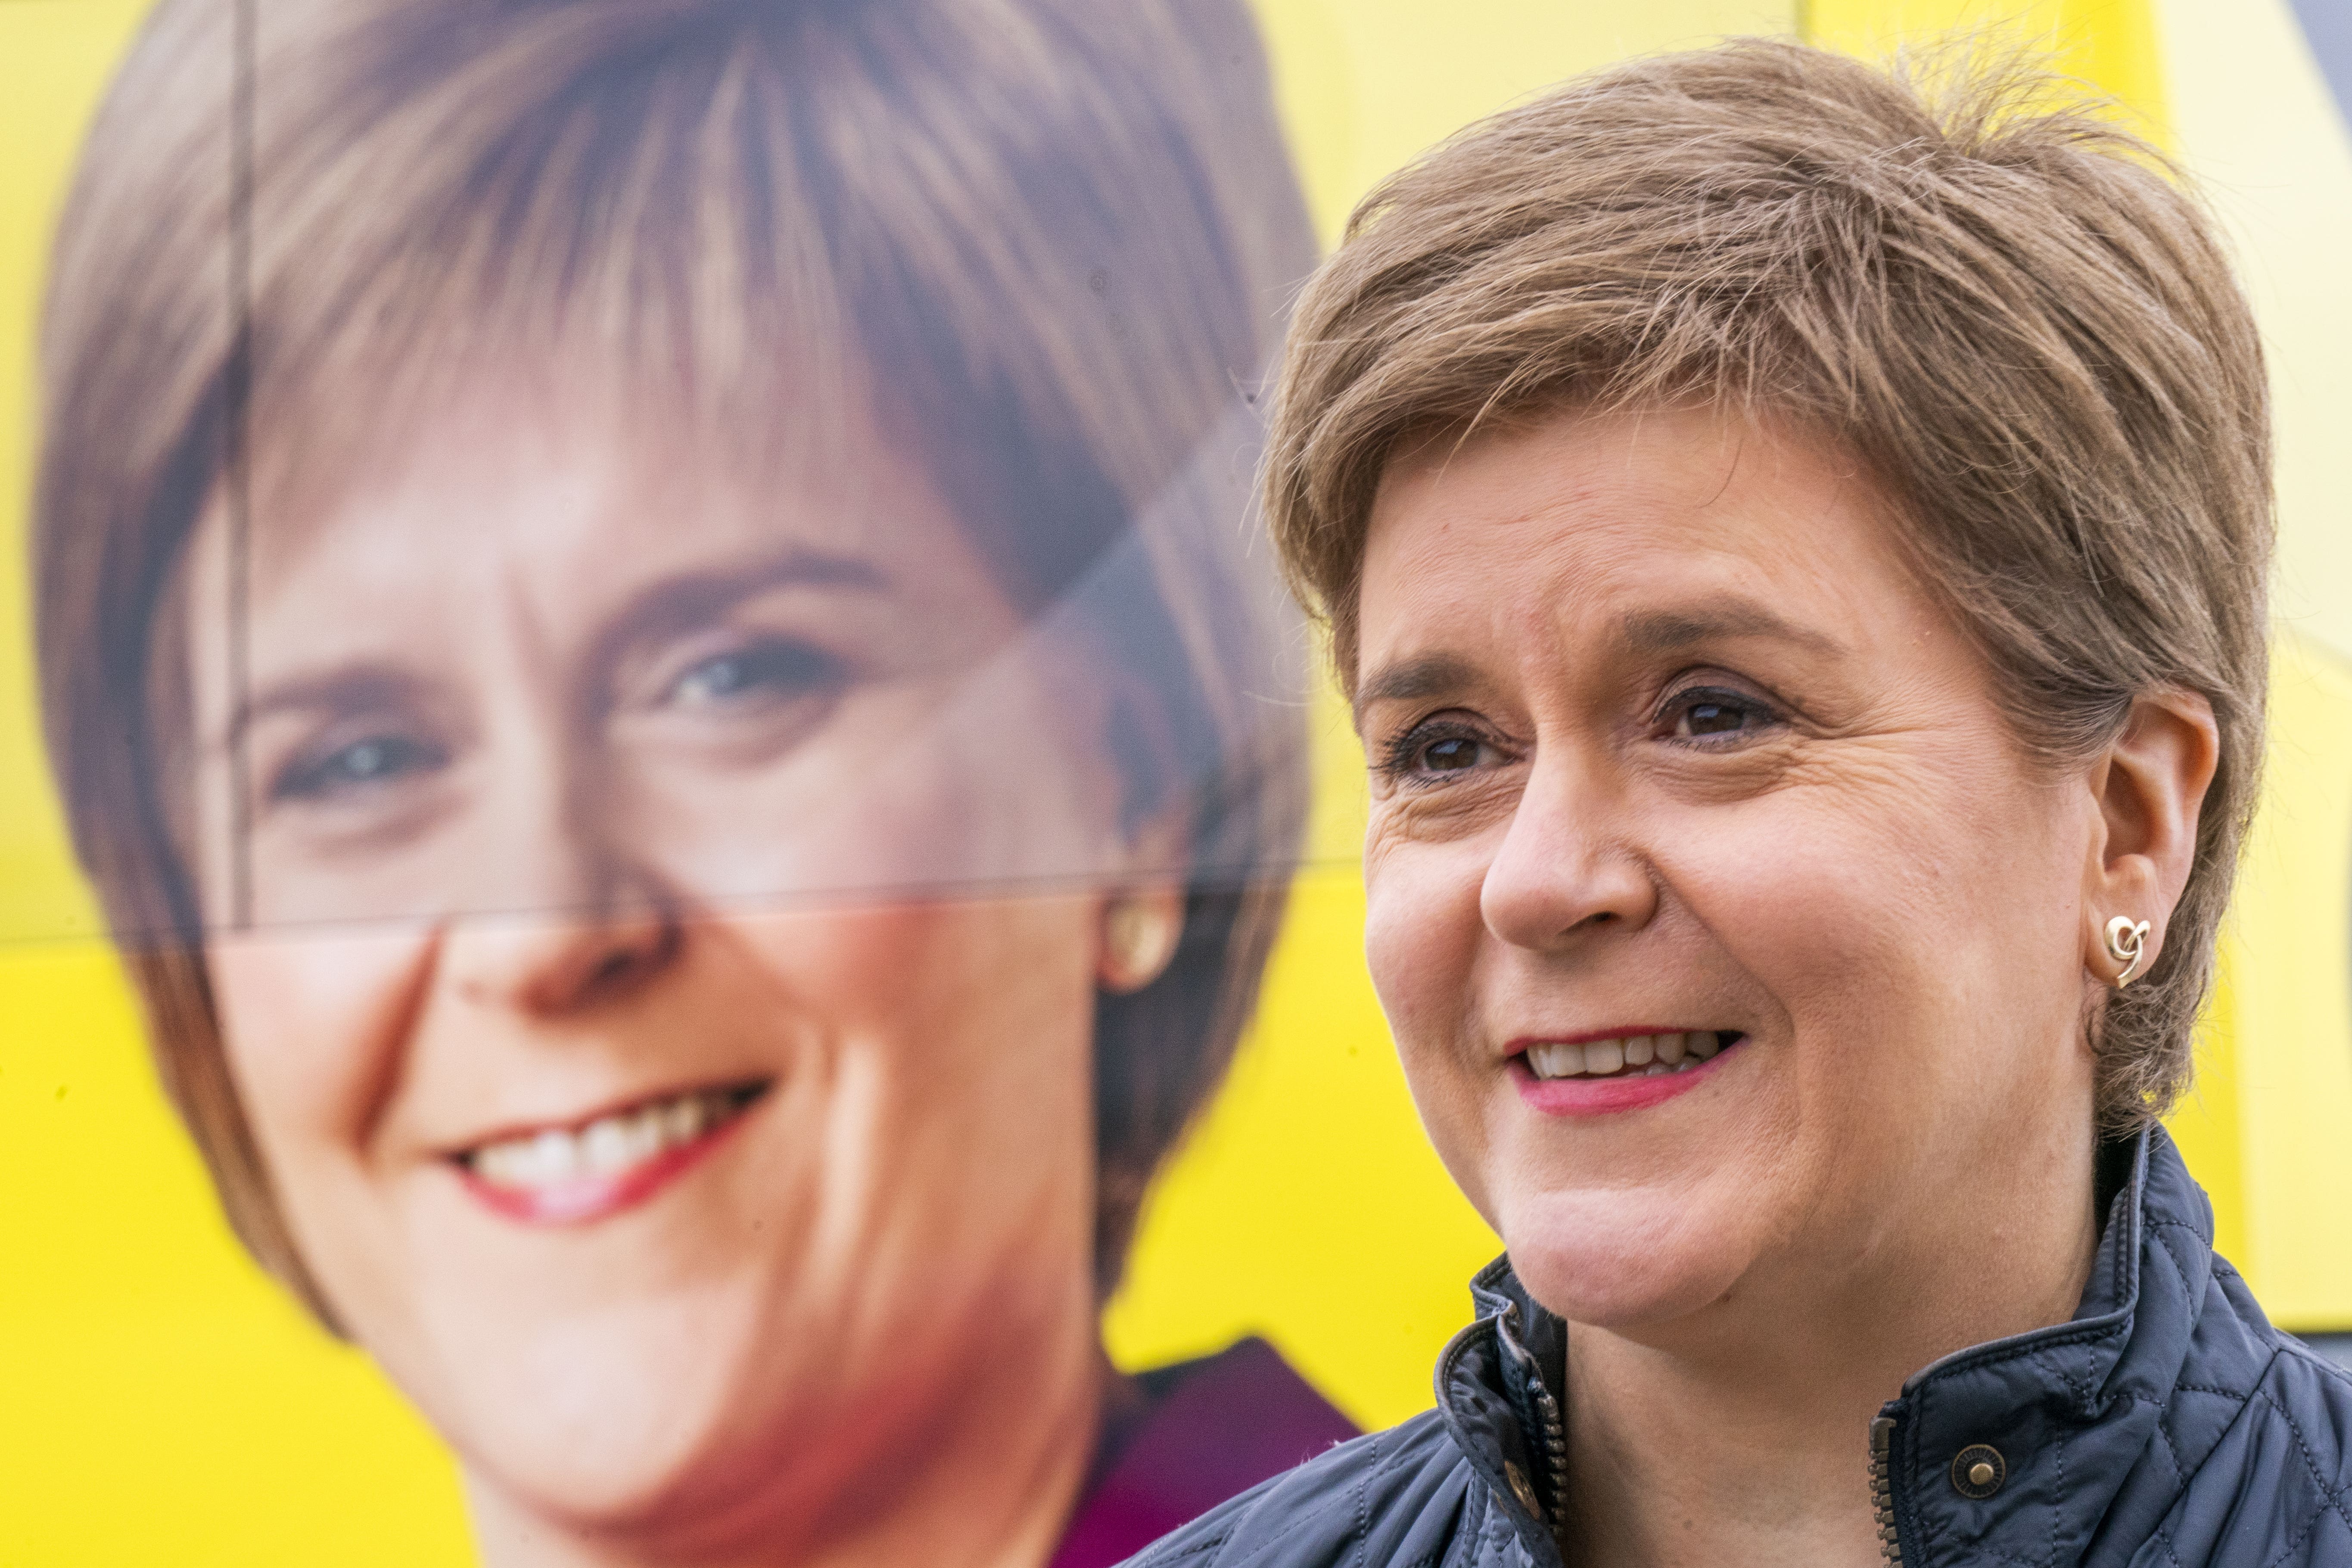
1139,938
2128,945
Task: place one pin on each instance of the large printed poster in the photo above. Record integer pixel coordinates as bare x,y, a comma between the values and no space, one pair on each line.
673,880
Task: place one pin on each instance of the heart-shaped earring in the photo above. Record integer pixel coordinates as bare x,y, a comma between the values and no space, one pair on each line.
2128,945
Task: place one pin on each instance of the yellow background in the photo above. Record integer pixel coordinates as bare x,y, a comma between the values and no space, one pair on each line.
160,1402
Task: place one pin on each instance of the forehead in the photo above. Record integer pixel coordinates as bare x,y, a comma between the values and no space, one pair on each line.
1581,525
583,492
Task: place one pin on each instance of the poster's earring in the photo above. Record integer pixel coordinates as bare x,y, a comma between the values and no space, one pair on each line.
2128,945
1140,931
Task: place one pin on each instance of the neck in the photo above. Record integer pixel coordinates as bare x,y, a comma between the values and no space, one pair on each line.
989,1482
1741,1433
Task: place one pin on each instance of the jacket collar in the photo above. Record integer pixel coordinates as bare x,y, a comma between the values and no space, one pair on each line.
1497,1391
2070,1406
2113,1367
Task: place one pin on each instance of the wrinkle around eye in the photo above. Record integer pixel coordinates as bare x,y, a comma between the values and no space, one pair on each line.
1425,803
1780,759
1407,815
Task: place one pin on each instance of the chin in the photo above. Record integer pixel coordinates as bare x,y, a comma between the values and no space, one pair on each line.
631,1419
1624,1260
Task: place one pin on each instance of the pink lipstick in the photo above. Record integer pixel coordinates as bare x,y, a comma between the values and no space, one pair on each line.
1603,1072
587,1170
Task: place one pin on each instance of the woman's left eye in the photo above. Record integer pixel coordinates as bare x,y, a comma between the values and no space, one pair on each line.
1712,714
770,670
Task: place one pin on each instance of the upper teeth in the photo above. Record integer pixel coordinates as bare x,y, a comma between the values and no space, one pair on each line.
1652,1053
605,1146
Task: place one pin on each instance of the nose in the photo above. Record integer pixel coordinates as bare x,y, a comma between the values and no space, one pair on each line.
561,963
1564,872
569,925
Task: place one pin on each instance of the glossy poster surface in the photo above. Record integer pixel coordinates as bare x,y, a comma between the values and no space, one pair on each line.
686,732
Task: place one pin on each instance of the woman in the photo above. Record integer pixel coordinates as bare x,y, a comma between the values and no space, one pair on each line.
647,638
1796,549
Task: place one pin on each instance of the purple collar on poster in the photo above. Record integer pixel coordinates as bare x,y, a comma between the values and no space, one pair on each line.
1211,1428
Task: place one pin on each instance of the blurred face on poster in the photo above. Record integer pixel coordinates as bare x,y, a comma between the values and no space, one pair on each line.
713,767
637,1142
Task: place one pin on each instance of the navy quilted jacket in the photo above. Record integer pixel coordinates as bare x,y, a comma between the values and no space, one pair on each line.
2166,1426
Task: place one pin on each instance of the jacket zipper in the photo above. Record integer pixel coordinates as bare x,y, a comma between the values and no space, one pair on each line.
1555,1436
1882,1490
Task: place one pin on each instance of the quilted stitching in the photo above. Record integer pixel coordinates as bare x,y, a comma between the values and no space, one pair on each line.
2233,1383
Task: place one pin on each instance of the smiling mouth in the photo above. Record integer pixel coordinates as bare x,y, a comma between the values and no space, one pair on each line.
567,1175
1633,1055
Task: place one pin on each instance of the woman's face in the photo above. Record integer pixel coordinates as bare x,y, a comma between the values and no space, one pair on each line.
666,957
1727,934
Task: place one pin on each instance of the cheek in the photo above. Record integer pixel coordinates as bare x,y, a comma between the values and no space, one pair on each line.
1902,934
972,1018
945,1157
314,1029
1805,905
1422,934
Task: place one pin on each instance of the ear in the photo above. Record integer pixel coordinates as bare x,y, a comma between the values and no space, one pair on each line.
2149,785
1143,919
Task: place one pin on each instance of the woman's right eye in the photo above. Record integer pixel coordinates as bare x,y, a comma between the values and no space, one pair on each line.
371,762
1428,752
1451,754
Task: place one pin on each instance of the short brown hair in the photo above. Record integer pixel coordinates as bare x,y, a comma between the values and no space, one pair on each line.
1050,240
1991,296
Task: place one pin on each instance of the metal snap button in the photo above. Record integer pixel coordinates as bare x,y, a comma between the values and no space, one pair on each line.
1978,1470
1520,1488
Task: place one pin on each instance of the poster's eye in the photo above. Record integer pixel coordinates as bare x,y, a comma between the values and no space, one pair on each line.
371,762
760,671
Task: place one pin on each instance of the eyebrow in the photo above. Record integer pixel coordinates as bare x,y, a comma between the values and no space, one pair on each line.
1669,631
688,600
1410,679
352,688
1644,631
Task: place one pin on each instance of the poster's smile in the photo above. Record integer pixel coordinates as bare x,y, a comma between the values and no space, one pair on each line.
588,1169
